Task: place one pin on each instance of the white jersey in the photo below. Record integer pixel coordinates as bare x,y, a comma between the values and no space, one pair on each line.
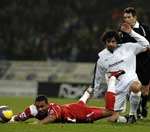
123,58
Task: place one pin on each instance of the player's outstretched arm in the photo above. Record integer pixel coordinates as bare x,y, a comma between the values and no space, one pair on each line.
48,119
142,43
28,113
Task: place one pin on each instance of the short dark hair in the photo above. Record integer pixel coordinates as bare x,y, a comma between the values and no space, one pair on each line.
109,35
130,10
41,98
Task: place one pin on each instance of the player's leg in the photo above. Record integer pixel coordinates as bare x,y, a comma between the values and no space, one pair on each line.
111,97
97,113
144,77
146,86
134,99
144,99
120,99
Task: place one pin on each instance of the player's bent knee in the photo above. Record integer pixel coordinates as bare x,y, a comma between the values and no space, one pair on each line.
135,87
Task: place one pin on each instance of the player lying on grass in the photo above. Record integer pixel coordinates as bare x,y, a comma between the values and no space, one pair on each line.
46,112
77,112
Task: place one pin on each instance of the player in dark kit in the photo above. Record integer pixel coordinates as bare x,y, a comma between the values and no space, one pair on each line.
50,112
142,59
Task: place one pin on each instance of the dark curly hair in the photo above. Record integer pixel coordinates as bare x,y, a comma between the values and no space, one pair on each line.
109,35
41,98
130,10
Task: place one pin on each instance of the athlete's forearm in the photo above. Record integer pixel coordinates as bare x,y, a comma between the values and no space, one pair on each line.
140,39
48,119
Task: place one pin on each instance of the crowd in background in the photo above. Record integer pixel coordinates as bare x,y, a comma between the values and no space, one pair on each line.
67,30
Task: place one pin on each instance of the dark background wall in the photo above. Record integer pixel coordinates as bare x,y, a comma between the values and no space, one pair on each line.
59,29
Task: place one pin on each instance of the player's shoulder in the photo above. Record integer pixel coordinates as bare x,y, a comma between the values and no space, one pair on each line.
144,25
55,109
129,46
54,105
103,52
125,45
104,56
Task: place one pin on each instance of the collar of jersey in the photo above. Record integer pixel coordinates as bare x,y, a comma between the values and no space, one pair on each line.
137,24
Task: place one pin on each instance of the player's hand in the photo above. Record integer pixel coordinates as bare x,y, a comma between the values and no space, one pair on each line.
125,27
12,120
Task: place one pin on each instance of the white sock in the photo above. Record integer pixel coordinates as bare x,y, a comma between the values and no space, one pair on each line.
85,97
124,106
111,84
134,102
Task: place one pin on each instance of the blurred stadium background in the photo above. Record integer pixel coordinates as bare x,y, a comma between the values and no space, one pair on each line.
50,46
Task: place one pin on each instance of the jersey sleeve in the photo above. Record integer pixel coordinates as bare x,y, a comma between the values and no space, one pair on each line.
147,32
98,76
141,44
29,112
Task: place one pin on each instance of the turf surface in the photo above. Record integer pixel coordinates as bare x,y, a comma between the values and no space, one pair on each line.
19,103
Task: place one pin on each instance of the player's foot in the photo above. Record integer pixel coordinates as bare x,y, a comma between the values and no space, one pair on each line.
117,73
139,115
131,119
144,112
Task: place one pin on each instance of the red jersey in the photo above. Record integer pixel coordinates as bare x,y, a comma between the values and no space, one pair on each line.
75,112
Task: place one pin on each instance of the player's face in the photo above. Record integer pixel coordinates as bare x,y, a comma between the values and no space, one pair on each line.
111,44
130,19
41,106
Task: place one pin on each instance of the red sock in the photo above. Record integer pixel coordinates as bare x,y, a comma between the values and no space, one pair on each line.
110,100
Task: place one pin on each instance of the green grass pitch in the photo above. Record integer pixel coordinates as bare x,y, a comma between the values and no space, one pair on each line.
19,103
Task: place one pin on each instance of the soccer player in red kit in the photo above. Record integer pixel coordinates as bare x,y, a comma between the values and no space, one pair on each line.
50,112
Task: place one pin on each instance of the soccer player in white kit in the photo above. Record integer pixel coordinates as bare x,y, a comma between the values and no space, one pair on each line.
116,57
